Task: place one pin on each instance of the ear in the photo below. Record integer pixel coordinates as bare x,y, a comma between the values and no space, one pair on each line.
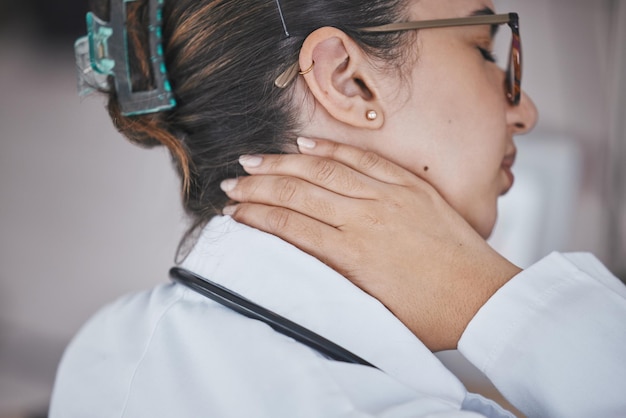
341,79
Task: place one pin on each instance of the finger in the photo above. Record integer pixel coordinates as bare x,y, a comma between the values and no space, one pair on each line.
323,172
294,194
311,236
365,162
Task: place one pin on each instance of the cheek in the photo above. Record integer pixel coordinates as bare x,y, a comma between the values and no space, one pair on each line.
464,165
452,132
460,167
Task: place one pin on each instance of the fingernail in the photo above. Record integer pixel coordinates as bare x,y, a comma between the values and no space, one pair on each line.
229,210
250,160
306,143
228,185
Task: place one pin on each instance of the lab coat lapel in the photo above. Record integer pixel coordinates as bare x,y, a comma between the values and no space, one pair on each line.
280,277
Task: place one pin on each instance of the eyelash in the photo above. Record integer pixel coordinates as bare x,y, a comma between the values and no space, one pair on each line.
487,55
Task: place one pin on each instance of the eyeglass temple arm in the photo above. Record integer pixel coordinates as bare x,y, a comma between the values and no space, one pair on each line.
443,23
290,73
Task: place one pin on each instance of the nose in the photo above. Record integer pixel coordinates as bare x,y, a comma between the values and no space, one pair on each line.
523,117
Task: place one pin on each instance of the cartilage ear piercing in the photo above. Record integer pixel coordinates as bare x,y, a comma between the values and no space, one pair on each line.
371,115
308,70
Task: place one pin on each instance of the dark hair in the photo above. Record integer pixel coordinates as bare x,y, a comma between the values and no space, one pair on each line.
222,57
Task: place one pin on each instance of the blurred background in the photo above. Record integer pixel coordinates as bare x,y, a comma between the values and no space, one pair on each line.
86,217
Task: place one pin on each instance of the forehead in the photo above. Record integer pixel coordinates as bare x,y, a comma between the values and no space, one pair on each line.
442,9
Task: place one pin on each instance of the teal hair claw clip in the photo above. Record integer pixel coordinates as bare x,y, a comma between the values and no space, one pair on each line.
102,55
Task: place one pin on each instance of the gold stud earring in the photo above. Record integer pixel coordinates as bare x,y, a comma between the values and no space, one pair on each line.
371,115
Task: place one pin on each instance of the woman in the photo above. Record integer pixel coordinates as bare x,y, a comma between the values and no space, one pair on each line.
433,102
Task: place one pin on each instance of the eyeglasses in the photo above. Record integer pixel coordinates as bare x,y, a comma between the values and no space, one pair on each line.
513,72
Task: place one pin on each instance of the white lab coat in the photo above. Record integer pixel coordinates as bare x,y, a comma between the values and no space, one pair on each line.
553,340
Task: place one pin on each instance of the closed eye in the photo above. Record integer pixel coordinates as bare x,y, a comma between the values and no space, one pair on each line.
487,54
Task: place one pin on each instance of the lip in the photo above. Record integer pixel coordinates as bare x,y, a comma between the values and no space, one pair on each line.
511,179
507,166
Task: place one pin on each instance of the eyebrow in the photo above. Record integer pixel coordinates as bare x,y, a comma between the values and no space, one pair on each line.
487,11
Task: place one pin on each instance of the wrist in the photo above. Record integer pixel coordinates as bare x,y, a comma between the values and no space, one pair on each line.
484,279
476,279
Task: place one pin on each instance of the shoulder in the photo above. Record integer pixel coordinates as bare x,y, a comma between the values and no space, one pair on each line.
104,362
172,352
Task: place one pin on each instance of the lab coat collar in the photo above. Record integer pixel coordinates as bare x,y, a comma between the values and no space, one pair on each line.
280,277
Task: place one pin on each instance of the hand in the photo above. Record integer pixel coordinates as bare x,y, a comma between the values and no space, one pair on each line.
379,225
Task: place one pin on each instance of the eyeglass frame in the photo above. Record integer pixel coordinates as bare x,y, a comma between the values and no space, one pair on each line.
513,73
